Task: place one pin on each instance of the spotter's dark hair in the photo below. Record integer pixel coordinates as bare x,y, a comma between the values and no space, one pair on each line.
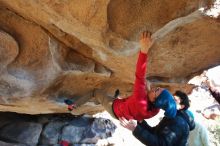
184,99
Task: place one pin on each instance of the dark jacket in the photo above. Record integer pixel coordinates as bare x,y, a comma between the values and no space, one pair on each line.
169,132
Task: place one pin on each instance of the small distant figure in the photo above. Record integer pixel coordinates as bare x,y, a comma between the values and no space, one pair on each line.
71,104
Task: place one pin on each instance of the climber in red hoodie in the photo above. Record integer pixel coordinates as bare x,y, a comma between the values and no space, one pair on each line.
141,104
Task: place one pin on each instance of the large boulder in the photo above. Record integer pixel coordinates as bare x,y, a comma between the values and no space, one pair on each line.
21,132
53,129
53,50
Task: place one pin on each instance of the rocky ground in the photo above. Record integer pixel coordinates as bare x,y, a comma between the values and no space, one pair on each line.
51,130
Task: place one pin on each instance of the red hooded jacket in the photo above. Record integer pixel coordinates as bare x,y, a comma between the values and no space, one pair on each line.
136,105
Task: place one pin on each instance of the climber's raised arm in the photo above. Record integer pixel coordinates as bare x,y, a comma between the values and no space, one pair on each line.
141,66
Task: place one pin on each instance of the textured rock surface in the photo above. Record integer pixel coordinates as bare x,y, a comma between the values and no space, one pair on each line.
51,50
10,144
45,130
22,132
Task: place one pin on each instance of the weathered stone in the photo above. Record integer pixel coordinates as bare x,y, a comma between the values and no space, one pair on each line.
75,131
32,73
88,130
8,49
52,50
73,134
22,132
51,133
27,130
100,129
186,50
129,18
10,144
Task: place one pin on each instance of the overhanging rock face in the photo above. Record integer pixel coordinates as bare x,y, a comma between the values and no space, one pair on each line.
52,50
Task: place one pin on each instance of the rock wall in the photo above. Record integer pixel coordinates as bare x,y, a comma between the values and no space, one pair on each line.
45,130
52,50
